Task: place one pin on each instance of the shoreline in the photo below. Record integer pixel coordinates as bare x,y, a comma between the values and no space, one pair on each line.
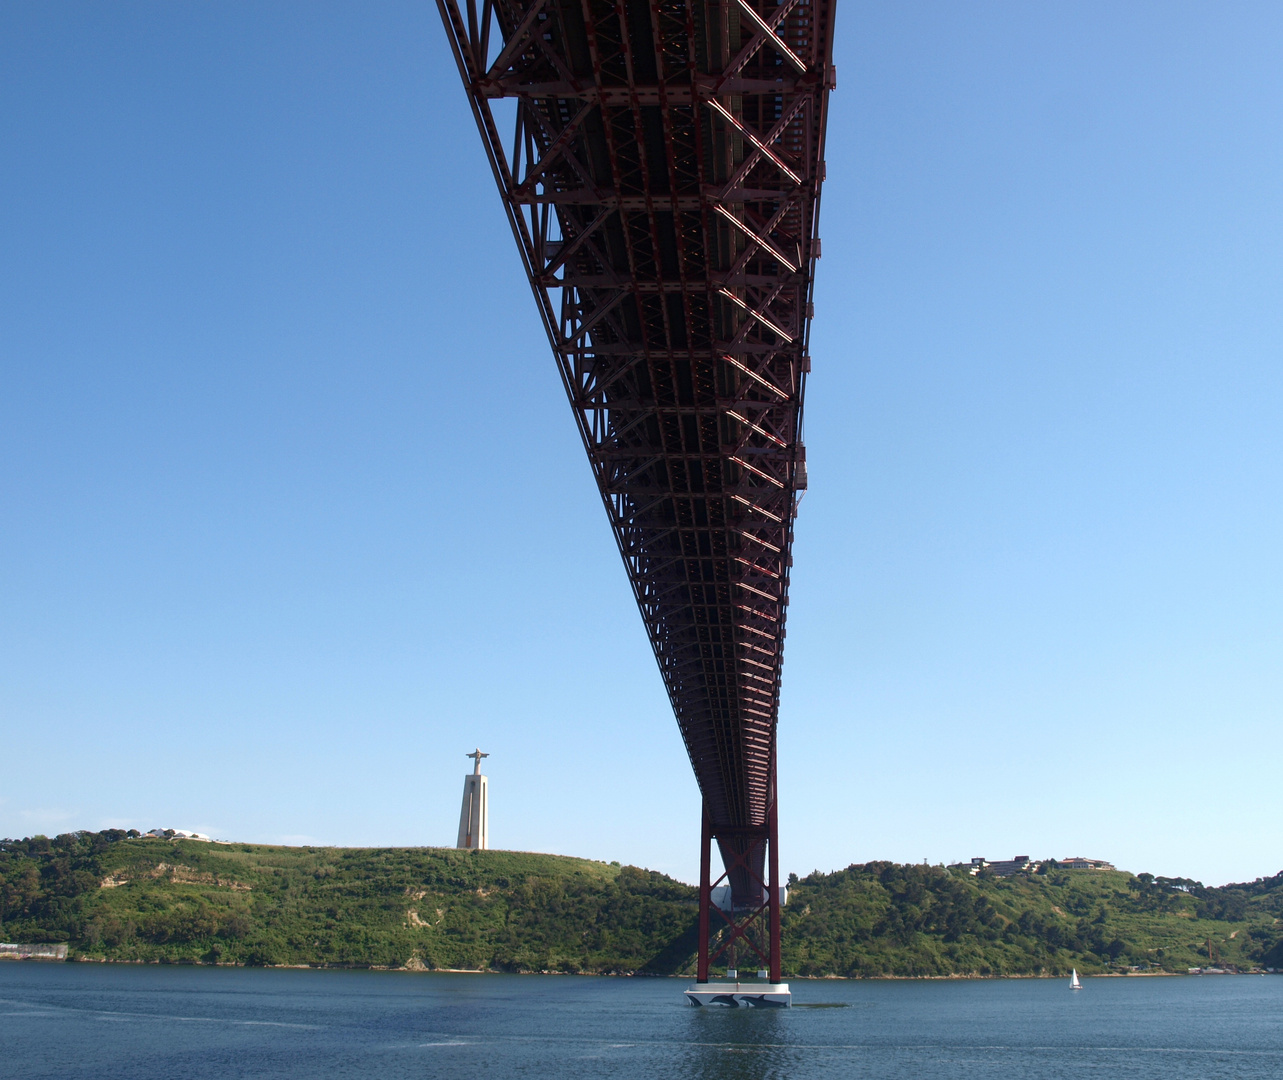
423,970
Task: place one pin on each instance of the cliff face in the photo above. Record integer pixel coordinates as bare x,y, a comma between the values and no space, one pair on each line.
110,897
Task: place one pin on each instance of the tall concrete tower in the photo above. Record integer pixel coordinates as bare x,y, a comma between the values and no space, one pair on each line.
474,818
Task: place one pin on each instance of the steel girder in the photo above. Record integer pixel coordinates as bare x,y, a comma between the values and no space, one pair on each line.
661,162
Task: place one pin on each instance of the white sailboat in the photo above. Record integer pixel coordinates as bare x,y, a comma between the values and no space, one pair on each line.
1074,984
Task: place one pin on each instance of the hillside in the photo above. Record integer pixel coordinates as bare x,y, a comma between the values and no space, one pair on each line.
883,918
113,897
188,901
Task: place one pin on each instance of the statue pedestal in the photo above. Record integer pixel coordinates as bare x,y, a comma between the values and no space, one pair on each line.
474,816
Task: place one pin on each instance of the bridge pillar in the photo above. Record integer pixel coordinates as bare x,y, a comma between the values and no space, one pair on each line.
736,930
705,891
773,889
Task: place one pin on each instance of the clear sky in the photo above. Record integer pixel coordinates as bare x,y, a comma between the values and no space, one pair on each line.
293,513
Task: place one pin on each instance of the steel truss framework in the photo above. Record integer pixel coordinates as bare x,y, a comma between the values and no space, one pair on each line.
661,163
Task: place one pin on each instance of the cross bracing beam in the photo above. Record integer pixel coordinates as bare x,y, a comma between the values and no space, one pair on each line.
660,162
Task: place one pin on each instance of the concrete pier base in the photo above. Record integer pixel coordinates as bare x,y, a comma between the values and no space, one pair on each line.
748,993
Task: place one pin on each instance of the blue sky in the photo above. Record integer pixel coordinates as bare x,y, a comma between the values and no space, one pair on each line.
293,513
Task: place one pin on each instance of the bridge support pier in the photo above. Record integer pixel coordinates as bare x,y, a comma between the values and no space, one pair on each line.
739,914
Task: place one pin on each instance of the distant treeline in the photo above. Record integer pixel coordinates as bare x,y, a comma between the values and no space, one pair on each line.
112,895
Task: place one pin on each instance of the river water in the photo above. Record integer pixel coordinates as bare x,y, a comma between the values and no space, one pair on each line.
75,1021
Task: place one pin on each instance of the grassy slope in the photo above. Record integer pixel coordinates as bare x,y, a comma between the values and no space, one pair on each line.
185,901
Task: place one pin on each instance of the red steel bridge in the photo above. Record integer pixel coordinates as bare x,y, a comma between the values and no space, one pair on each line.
660,162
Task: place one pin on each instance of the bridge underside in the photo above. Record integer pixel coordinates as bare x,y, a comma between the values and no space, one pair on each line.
661,162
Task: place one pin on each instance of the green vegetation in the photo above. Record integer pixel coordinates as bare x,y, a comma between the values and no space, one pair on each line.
184,901
115,897
886,919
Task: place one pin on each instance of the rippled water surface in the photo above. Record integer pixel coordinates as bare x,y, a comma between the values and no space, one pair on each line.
160,1023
